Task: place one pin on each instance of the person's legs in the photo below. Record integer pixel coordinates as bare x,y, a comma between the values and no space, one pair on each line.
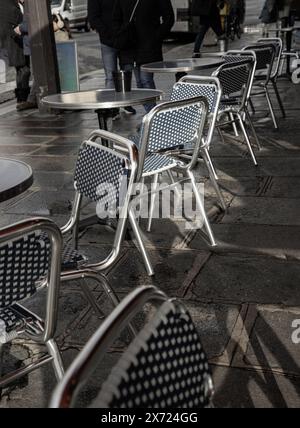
110,62
145,80
216,23
204,27
22,81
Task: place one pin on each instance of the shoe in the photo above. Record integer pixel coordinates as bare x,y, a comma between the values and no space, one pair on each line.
129,110
115,114
196,55
26,106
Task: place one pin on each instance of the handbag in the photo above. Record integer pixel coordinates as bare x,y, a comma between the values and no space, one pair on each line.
126,38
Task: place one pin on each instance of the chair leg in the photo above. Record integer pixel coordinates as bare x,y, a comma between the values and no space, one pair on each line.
253,129
279,99
57,361
252,106
152,203
178,193
247,139
90,298
202,209
221,134
214,182
211,165
271,108
141,245
235,130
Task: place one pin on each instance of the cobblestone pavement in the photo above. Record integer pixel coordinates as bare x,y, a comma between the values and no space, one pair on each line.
243,295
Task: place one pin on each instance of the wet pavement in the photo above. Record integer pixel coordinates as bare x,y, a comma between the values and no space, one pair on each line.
243,295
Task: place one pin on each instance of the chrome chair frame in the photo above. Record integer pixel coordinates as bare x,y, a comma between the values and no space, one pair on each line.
126,213
262,87
187,169
213,116
237,108
86,362
277,42
33,327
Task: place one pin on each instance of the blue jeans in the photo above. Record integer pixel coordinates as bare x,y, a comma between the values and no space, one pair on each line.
145,80
110,62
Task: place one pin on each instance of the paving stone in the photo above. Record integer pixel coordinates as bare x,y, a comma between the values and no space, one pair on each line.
271,345
252,279
215,324
254,389
277,241
275,211
171,269
234,167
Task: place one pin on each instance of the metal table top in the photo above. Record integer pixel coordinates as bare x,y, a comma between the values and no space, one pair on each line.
101,99
15,178
183,65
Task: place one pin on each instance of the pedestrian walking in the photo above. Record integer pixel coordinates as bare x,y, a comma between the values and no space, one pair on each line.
11,16
22,31
100,16
151,22
208,11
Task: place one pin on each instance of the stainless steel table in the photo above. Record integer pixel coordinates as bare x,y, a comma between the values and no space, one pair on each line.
182,66
103,101
15,178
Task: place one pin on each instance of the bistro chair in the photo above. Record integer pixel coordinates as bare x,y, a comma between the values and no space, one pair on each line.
30,261
166,131
278,45
165,366
236,77
106,177
209,87
265,57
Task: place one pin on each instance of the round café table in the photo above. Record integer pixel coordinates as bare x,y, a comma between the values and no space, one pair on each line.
181,66
15,178
103,101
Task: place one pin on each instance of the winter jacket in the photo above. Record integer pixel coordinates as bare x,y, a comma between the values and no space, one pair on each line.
203,7
10,17
25,34
153,22
100,16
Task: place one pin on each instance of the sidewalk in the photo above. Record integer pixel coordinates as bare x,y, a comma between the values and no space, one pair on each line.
243,295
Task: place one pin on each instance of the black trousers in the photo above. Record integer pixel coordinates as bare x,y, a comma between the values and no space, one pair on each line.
22,80
206,22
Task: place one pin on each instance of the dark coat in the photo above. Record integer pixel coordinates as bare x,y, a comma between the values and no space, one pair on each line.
203,7
100,15
10,17
25,34
153,22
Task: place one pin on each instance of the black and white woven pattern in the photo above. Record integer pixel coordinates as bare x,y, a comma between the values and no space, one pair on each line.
235,59
264,56
72,259
157,163
234,78
175,127
187,90
9,321
100,175
164,367
22,263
